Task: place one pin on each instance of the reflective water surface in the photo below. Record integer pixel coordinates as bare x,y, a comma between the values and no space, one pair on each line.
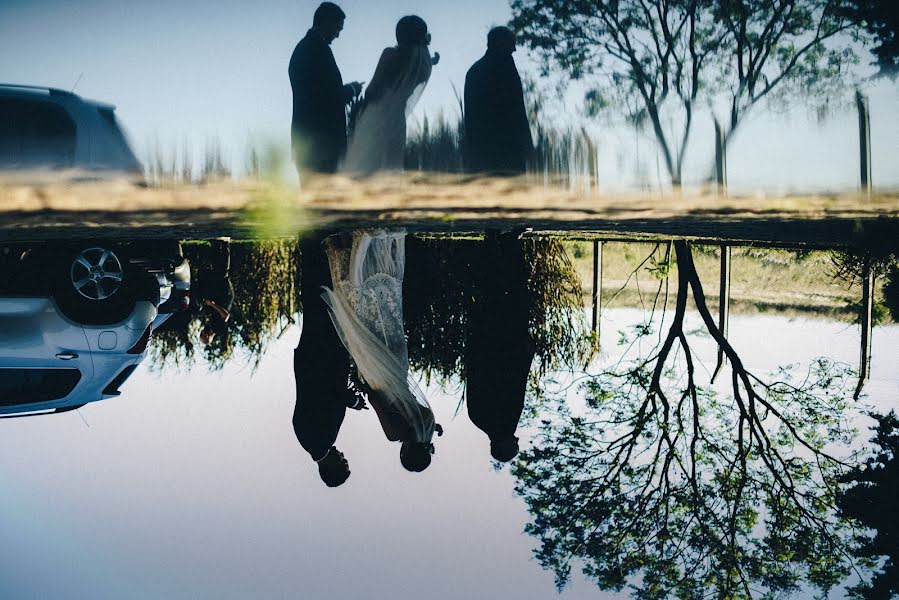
496,414
638,338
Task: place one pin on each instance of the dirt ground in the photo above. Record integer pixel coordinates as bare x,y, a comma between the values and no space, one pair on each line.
66,208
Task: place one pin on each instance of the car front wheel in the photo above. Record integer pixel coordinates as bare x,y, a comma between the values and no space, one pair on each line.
94,284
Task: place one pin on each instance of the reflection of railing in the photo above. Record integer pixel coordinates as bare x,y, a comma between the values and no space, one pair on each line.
867,323
835,292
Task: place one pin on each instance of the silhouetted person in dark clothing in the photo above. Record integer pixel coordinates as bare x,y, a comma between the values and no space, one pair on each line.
318,128
321,367
497,132
501,348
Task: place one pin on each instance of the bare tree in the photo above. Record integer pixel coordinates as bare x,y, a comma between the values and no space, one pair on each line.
660,61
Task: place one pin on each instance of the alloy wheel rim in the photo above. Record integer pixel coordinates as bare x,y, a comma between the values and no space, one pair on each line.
96,273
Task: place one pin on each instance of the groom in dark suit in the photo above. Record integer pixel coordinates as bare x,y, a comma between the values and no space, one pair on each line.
318,128
321,368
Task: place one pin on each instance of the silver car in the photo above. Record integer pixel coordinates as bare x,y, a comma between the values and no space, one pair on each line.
76,318
48,130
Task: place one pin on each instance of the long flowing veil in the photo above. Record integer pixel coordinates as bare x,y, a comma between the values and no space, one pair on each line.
366,309
379,136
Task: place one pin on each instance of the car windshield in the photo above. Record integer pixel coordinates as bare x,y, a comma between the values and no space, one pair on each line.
28,386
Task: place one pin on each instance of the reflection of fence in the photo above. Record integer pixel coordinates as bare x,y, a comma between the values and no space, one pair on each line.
736,280
762,280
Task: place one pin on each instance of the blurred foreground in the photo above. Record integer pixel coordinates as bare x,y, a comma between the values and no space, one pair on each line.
66,207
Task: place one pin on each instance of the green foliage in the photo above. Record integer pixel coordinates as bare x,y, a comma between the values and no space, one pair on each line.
441,285
660,267
891,292
675,497
881,20
561,153
558,324
871,499
437,148
446,276
850,266
263,275
880,312
674,487
438,294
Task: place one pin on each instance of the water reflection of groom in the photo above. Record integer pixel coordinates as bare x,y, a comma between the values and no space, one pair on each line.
321,369
501,349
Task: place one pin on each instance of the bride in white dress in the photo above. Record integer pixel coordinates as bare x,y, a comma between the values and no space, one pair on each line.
378,140
366,306
366,303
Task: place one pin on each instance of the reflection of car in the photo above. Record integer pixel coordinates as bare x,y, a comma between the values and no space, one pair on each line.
76,318
48,128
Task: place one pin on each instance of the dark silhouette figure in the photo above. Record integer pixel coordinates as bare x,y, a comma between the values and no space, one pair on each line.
497,132
321,367
410,31
501,349
318,128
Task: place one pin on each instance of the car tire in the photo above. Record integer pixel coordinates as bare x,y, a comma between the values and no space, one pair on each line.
94,283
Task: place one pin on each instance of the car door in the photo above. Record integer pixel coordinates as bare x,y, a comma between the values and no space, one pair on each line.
44,359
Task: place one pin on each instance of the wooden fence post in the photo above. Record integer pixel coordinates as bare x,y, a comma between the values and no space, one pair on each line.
867,322
597,285
723,303
864,141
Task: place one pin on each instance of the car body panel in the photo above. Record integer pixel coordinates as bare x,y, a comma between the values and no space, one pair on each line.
34,334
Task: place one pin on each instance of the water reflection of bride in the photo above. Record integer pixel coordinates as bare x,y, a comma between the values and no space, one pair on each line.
366,306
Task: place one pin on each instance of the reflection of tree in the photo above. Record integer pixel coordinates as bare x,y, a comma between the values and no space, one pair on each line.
687,490
872,501
891,292
851,266
443,282
661,59
263,274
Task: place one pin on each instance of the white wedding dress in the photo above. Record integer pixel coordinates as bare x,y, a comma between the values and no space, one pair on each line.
378,141
366,307
366,303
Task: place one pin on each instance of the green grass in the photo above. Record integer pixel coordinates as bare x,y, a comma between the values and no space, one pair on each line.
791,282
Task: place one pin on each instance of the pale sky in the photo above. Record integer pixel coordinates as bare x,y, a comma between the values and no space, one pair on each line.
190,486
185,72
